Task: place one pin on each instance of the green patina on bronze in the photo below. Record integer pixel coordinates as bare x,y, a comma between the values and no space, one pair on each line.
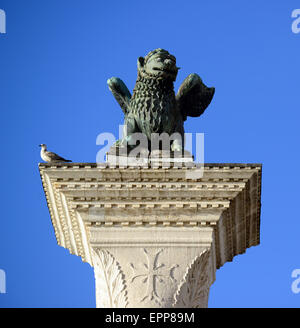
153,107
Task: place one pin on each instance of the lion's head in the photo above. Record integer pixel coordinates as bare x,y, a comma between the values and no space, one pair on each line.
158,64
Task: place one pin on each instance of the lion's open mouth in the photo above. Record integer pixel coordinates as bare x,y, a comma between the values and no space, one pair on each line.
165,70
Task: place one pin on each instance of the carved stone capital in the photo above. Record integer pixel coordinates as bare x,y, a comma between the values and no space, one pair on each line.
154,235
149,279
154,274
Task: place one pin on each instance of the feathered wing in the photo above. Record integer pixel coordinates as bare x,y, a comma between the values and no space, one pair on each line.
193,96
120,92
54,157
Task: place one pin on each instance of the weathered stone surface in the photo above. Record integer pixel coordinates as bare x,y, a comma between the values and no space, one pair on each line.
155,236
120,156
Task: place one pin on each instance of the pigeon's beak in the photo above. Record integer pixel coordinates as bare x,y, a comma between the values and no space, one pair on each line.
40,145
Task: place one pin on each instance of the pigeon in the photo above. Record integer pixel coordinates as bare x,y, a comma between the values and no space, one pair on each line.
50,157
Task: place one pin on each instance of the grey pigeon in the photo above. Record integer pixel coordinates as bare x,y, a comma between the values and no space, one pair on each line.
50,157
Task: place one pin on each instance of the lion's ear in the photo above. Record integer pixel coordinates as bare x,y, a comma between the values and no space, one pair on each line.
140,62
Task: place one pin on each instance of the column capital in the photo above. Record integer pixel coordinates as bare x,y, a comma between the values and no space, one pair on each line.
154,234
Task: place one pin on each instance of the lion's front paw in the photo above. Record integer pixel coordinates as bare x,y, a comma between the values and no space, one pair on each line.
176,146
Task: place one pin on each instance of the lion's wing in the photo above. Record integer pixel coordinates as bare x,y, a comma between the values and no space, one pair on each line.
193,96
120,92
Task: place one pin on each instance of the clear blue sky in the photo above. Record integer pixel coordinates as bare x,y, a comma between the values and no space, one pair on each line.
54,62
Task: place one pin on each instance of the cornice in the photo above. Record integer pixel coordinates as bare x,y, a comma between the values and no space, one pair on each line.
84,195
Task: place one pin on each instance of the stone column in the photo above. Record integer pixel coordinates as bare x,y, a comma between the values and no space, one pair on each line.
154,235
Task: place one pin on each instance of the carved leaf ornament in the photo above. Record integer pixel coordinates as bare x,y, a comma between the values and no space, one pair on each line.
110,283
194,288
